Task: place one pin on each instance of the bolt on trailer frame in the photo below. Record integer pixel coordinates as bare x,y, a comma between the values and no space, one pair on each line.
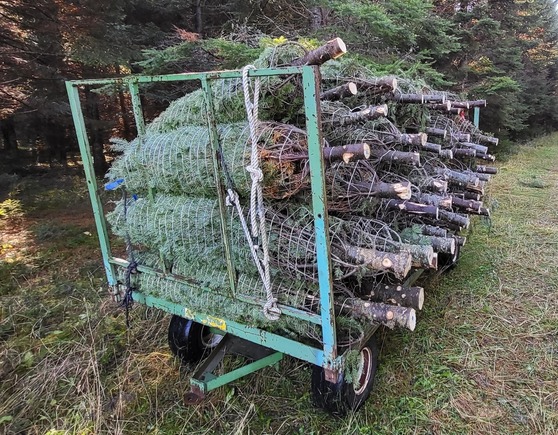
326,356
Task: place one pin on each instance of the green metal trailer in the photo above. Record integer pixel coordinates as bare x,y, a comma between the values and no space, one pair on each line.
192,333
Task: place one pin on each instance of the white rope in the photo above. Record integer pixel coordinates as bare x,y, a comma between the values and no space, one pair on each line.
257,210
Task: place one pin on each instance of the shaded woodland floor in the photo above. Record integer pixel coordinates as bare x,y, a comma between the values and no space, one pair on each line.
483,359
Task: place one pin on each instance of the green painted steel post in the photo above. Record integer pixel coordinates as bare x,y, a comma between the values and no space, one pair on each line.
217,171
310,81
85,150
476,114
253,334
238,373
136,106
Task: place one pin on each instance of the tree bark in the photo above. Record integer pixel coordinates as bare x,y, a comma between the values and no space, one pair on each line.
486,169
429,230
423,256
477,103
445,245
460,104
437,185
410,297
489,140
471,195
436,200
438,132
459,178
378,261
446,154
483,177
461,137
486,157
455,218
475,146
347,153
384,155
383,190
464,152
466,204
368,114
412,207
432,147
330,50
339,92
388,315
418,139
445,107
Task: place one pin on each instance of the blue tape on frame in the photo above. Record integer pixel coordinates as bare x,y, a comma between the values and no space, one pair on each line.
114,184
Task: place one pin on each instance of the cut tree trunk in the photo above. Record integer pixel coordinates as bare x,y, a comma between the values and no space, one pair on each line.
339,92
412,207
477,103
464,152
432,147
486,157
410,297
489,140
445,245
400,190
445,107
466,204
347,153
384,155
438,132
475,146
460,104
455,218
368,114
446,154
388,315
378,261
459,178
330,50
486,169
429,230
418,139
436,200
437,185
423,256
461,137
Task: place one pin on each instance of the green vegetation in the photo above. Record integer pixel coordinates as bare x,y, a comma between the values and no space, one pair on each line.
483,358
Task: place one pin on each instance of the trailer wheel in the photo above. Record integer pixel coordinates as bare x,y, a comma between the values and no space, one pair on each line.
343,396
190,341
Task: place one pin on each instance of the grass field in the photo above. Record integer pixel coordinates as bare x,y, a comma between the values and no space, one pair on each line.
483,359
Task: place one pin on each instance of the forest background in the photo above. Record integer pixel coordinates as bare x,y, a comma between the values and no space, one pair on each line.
504,51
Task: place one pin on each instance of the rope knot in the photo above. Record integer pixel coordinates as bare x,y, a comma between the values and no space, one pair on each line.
271,310
255,172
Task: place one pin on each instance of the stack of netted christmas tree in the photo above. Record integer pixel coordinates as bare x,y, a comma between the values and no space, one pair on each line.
402,179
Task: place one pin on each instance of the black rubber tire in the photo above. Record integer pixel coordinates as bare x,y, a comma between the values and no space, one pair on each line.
341,397
190,341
